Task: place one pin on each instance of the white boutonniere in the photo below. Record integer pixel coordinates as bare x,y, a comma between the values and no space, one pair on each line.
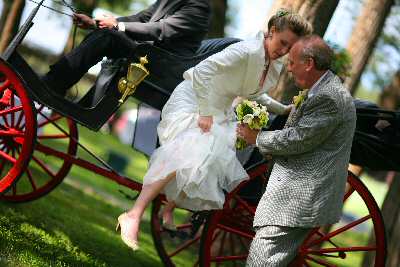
299,99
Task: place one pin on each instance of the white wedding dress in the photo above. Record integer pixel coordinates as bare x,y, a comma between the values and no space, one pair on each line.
205,163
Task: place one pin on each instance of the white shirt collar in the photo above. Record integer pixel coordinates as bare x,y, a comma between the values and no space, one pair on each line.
314,88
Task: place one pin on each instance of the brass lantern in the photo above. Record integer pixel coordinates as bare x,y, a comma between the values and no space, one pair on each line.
137,72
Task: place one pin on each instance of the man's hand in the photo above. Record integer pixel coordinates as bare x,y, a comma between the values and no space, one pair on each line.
205,123
83,21
249,135
106,21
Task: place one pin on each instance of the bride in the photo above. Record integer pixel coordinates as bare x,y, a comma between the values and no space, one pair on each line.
196,160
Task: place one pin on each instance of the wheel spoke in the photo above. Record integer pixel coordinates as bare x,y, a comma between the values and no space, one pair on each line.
30,177
320,261
7,157
340,230
49,120
52,136
12,133
184,246
348,193
342,249
12,110
43,166
235,231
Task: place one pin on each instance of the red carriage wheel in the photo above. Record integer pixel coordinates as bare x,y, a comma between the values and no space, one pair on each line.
16,138
175,248
45,171
347,242
228,233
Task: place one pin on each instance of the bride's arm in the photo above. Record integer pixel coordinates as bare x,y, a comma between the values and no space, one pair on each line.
223,62
273,105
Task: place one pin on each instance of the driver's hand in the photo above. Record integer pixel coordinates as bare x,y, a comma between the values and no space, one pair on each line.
83,21
106,21
205,123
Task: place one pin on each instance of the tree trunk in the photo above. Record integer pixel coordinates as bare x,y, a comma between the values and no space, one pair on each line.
318,13
4,13
218,19
10,20
365,34
390,97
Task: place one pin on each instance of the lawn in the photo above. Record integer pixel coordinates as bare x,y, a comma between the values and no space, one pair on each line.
74,225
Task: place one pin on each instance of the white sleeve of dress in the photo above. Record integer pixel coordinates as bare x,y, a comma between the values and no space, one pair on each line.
220,63
272,105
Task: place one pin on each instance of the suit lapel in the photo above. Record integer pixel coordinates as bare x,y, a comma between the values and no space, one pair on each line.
164,7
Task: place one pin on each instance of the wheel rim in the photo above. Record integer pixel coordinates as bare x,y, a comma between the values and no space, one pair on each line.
178,249
332,248
44,171
17,127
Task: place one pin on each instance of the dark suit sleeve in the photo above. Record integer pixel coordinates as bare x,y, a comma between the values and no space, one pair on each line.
142,16
191,18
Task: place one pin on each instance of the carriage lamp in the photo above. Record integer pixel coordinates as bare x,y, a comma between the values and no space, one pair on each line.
135,75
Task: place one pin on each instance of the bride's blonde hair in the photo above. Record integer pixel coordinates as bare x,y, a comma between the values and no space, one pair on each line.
286,19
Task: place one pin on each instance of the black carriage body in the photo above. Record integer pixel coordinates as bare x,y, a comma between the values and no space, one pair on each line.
376,142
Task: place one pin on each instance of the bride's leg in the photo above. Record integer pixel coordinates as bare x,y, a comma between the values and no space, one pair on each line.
167,215
148,193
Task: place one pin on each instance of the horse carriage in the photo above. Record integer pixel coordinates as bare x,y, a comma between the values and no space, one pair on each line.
33,162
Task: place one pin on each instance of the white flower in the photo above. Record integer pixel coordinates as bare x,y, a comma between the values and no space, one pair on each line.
248,118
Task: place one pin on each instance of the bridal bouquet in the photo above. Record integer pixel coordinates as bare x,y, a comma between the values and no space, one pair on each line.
253,114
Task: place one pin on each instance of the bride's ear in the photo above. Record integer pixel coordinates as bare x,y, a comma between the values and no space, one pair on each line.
270,32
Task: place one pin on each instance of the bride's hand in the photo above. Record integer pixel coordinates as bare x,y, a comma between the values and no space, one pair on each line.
288,108
205,123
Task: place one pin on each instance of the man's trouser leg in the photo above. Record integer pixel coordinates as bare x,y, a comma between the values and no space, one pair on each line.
98,44
275,246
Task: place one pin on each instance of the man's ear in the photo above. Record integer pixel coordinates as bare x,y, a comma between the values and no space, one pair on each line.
310,64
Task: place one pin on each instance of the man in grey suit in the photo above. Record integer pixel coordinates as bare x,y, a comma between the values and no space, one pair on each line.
311,154
178,26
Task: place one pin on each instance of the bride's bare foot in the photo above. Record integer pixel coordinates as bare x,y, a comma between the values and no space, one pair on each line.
167,216
129,230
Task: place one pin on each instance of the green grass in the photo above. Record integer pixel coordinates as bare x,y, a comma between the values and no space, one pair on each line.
68,228
75,225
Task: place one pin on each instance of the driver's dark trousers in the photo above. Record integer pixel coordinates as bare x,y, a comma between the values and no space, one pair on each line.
98,44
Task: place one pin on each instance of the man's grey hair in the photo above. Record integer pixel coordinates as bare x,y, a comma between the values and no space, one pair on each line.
313,46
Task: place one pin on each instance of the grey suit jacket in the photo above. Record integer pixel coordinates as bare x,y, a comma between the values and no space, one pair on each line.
312,152
175,25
